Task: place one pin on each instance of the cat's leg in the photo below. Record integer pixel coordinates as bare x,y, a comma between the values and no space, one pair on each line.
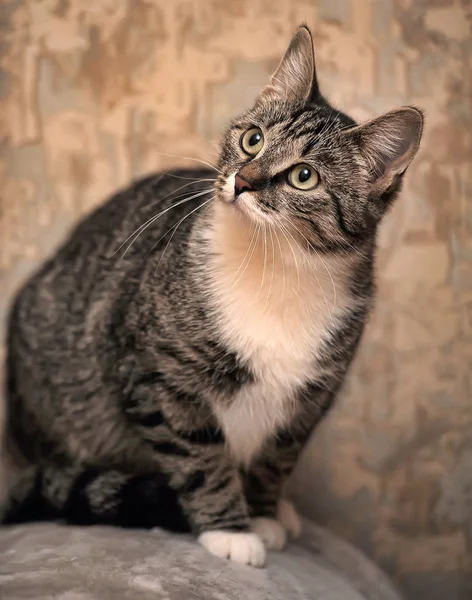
273,518
199,470
212,498
207,484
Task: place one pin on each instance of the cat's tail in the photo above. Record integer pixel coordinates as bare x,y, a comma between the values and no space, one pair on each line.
82,496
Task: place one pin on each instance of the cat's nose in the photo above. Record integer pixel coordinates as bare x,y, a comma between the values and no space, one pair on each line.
241,185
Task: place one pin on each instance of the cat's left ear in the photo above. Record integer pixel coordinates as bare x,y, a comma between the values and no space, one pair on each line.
388,144
295,77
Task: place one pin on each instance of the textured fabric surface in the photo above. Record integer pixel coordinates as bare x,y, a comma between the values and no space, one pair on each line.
66,563
93,93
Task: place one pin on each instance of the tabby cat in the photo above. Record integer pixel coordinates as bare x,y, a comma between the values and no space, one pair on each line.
167,365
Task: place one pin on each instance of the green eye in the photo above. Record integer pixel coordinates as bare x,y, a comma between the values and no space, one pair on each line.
303,177
252,141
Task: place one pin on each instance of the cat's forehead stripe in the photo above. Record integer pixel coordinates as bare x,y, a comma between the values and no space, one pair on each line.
294,124
276,117
309,123
305,126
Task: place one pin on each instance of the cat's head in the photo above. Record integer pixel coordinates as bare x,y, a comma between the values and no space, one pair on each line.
293,160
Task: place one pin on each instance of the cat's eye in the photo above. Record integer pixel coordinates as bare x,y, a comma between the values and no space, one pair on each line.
303,177
252,141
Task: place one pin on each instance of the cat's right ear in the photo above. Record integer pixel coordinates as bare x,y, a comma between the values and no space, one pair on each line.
295,77
388,144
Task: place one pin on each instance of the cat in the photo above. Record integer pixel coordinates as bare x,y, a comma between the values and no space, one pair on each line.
168,364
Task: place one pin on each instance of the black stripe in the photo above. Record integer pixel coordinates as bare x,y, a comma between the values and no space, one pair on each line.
226,509
77,509
194,482
228,526
147,501
158,379
327,246
174,353
255,484
205,436
279,118
220,485
275,119
236,127
309,130
309,145
273,470
170,448
150,420
150,378
284,439
184,397
263,509
318,231
339,216
286,129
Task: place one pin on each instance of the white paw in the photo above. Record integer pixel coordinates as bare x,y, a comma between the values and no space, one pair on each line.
288,517
270,531
242,547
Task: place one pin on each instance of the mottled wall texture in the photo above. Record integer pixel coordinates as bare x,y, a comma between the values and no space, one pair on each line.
96,92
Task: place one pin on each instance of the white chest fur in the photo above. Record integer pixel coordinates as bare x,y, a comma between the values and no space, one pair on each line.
276,305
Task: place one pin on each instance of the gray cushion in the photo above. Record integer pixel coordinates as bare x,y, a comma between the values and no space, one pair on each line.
69,563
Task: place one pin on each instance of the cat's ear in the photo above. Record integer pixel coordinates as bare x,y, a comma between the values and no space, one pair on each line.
388,145
295,77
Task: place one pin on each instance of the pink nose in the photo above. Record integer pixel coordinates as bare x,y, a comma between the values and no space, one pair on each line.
241,185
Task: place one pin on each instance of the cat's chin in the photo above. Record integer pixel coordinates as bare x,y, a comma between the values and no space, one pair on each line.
241,205
247,214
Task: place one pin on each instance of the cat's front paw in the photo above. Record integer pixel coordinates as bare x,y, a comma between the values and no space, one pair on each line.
245,548
288,517
270,531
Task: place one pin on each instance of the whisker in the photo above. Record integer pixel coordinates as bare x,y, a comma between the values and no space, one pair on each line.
264,263
283,230
182,177
204,162
273,269
252,254
356,250
273,260
282,259
175,227
245,256
330,121
162,200
150,221
153,217
335,293
316,275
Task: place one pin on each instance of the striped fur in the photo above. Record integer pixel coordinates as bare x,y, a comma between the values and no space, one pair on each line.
162,376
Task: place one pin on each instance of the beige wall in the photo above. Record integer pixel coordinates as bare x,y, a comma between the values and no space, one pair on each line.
91,92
